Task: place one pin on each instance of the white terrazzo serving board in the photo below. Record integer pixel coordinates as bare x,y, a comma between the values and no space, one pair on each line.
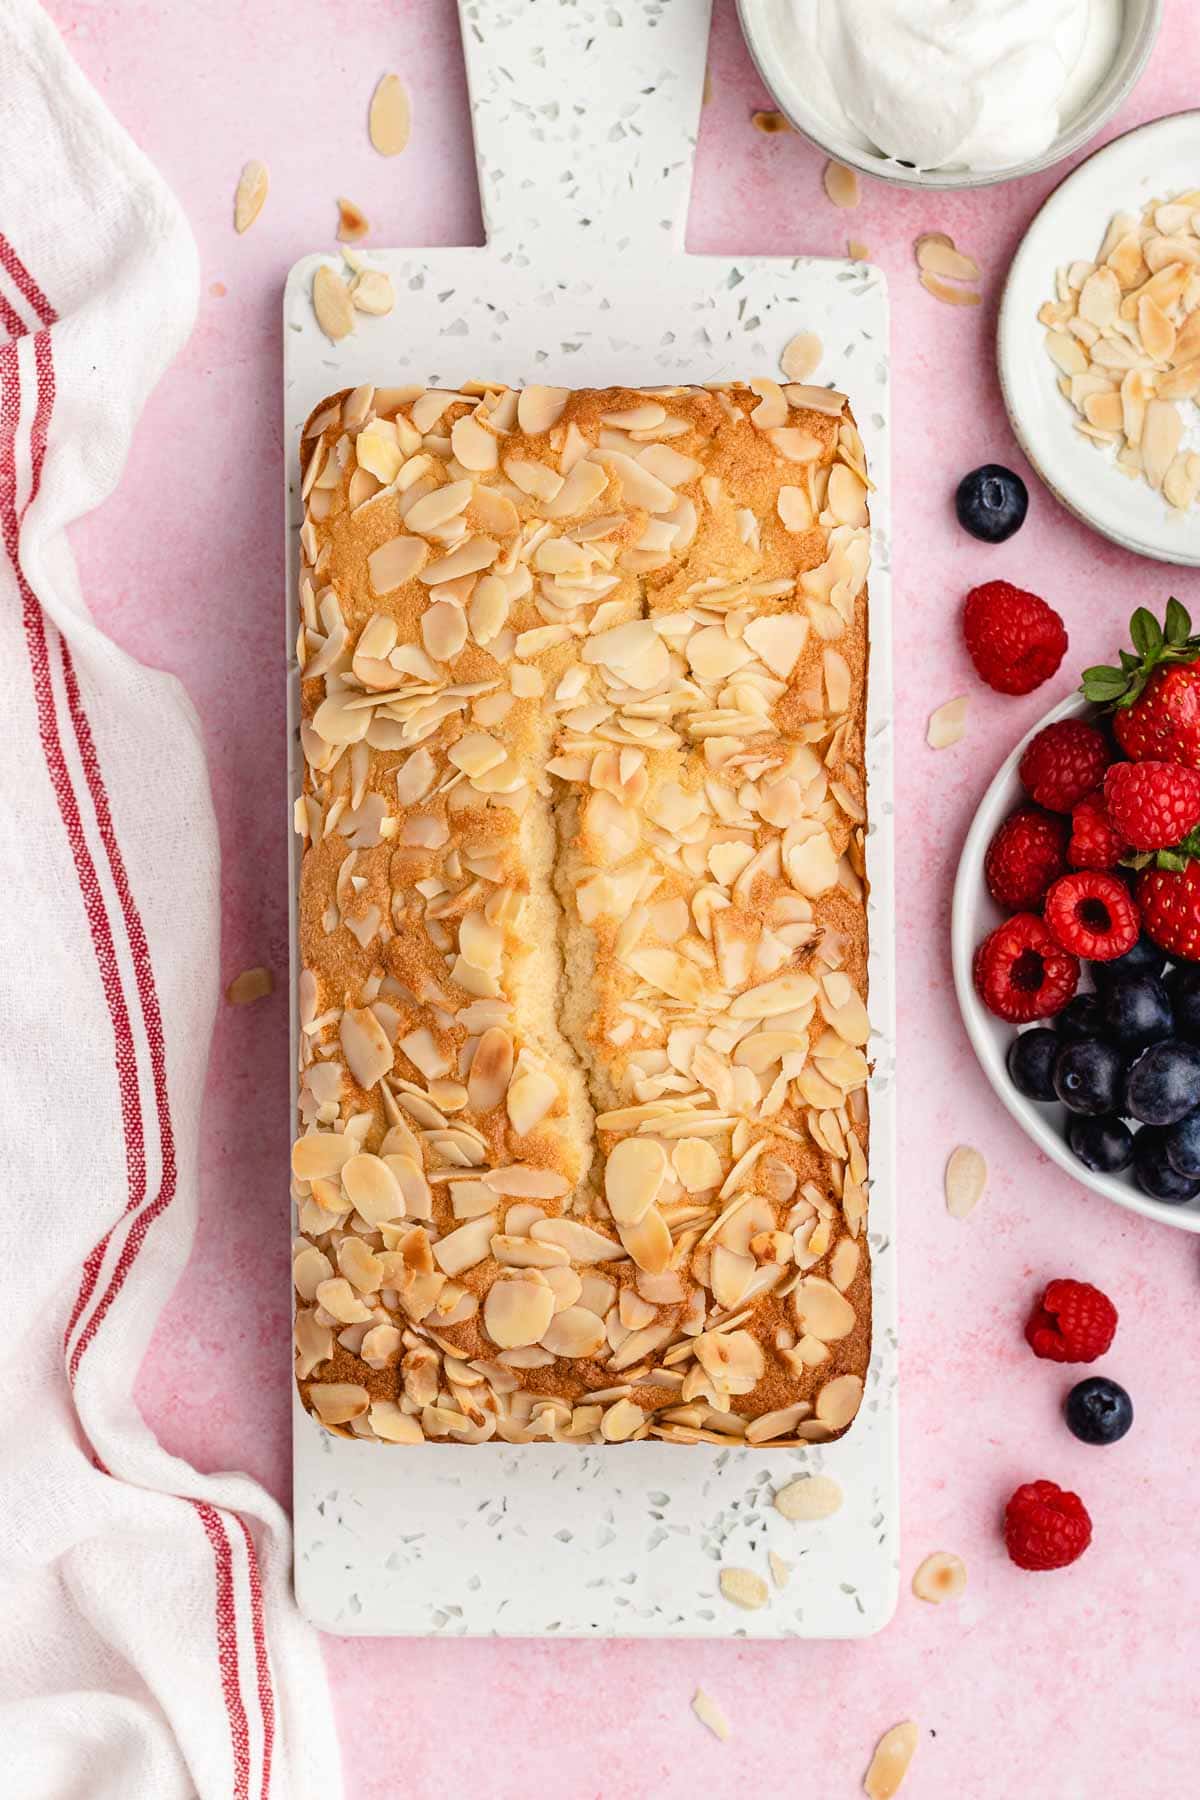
585,116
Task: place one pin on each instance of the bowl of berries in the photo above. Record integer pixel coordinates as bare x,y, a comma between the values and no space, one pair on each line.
1076,927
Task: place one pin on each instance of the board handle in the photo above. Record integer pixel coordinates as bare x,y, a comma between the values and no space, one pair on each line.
585,115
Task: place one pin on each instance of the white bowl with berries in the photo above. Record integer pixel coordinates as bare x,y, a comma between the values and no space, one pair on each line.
1076,917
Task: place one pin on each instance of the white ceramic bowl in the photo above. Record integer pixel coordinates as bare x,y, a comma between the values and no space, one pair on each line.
973,915
764,26
1157,159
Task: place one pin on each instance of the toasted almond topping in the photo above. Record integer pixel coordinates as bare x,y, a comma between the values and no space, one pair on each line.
841,184
966,1179
250,985
809,1497
941,1576
947,724
251,193
889,1765
710,1714
744,1588
390,119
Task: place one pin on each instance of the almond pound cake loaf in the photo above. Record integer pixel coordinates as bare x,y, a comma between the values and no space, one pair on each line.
583,1121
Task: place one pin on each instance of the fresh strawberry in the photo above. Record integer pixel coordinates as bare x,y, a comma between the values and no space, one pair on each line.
1155,693
1064,762
1168,894
1022,973
1091,915
1024,857
1093,843
1014,639
1152,804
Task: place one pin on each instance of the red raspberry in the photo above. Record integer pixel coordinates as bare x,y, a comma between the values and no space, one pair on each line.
1014,639
1063,763
1021,973
1094,844
1152,804
1170,903
1072,1322
1045,1526
1024,857
1092,915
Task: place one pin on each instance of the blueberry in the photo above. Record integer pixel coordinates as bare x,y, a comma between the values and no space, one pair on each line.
1163,1083
991,503
1136,1010
1098,1410
1081,1017
1102,1144
1031,1063
1182,1145
1183,985
1154,1173
1088,1076
1144,959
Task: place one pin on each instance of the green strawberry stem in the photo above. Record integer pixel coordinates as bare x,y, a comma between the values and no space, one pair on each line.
1155,645
1186,851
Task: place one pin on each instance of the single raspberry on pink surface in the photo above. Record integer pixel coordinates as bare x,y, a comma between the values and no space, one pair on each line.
1024,857
1093,843
1045,1526
1022,973
1092,915
1071,1322
1064,762
1014,639
1152,804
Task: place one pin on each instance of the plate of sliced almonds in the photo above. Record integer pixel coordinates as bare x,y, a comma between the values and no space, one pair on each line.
1098,342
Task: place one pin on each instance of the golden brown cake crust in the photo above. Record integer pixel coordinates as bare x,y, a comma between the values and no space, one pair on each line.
583,1124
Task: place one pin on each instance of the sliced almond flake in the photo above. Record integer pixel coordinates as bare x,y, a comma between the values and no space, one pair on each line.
250,985
801,355
769,122
372,292
781,1571
710,1714
858,251
390,118
809,1497
965,1181
889,1765
251,193
953,296
841,184
941,1576
937,255
1161,437
742,1587
352,221
332,303
947,724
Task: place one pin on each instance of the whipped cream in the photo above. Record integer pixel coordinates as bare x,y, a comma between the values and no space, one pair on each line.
978,84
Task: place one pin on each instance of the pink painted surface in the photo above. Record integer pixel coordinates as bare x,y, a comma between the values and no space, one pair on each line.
1029,1683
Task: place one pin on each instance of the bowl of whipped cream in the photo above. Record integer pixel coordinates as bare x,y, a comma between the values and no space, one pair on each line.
949,93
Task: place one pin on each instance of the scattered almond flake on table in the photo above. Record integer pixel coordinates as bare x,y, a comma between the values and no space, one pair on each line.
352,221
1124,334
966,1178
251,984
707,92
952,296
889,1765
809,1497
769,122
251,192
218,290
947,724
390,117
371,291
744,1588
332,303
710,1714
941,1576
841,184
857,250
937,255
801,355
781,1572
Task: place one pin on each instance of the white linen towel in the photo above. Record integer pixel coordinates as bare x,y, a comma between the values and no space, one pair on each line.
150,1646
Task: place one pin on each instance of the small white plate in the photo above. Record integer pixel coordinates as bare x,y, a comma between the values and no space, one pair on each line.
1154,161
974,913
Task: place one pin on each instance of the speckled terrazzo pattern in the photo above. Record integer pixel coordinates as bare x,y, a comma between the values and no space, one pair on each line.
584,282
